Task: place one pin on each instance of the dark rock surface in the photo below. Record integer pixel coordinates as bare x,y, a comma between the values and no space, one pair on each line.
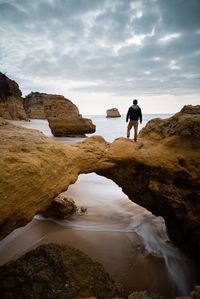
11,102
55,271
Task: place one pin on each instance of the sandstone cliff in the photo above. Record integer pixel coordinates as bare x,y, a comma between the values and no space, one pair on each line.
160,172
42,106
113,113
11,102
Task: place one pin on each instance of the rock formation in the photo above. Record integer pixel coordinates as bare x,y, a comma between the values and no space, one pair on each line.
113,113
63,116
11,102
58,272
42,106
61,207
71,127
160,172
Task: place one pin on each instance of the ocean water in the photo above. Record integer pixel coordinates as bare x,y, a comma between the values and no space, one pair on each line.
109,128
112,128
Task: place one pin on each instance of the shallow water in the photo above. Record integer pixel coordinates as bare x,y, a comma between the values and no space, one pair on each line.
128,240
109,128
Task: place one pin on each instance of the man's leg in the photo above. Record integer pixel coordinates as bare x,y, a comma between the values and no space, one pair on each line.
135,125
129,128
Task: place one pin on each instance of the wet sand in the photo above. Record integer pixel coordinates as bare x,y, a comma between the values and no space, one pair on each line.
126,239
122,254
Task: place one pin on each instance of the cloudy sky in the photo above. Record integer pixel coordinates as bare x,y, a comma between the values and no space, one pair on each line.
104,53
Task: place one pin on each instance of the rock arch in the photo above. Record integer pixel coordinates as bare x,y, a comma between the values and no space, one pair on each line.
159,172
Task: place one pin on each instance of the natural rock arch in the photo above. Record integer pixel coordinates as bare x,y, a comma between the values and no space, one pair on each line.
159,172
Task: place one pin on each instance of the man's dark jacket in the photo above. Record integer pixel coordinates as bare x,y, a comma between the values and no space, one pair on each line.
134,113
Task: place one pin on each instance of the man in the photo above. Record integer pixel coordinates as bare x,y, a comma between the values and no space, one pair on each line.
134,113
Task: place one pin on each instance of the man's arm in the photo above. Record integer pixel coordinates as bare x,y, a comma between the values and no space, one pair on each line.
140,115
127,115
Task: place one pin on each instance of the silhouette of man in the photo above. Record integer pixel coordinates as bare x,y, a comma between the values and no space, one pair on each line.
134,113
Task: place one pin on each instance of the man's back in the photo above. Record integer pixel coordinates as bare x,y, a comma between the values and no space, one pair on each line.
134,113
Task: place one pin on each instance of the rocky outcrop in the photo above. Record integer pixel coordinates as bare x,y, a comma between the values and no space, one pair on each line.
185,124
11,102
61,207
42,106
160,173
63,116
71,127
55,271
113,113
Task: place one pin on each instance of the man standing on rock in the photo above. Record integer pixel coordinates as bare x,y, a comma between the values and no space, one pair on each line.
134,113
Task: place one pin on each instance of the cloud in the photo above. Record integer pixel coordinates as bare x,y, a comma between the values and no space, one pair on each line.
110,47
169,37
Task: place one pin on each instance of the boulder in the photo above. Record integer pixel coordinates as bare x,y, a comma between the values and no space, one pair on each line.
159,172
63,116
11,102
61,207
71,127
42,106
113,113
56,271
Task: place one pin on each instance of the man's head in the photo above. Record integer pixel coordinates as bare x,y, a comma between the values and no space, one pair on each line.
135,102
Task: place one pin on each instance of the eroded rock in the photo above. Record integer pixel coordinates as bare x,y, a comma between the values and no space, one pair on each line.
160,173
11,102
42,106
113,112
63,116
184,123
58,272
61,207
145,295
71,127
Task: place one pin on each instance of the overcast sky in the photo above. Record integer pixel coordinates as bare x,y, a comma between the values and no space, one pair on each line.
104,53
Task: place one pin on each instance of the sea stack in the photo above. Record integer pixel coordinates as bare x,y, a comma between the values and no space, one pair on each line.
42,106
63,115
113,112
11,102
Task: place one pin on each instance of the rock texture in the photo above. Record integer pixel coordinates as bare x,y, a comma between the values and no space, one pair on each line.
42,106
63,116
61,207
195,294
71,127
145,295
113,113
159,172
55,271
11,102
184,124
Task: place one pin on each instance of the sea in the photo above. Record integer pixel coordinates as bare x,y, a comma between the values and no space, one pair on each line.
109,128
129,241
